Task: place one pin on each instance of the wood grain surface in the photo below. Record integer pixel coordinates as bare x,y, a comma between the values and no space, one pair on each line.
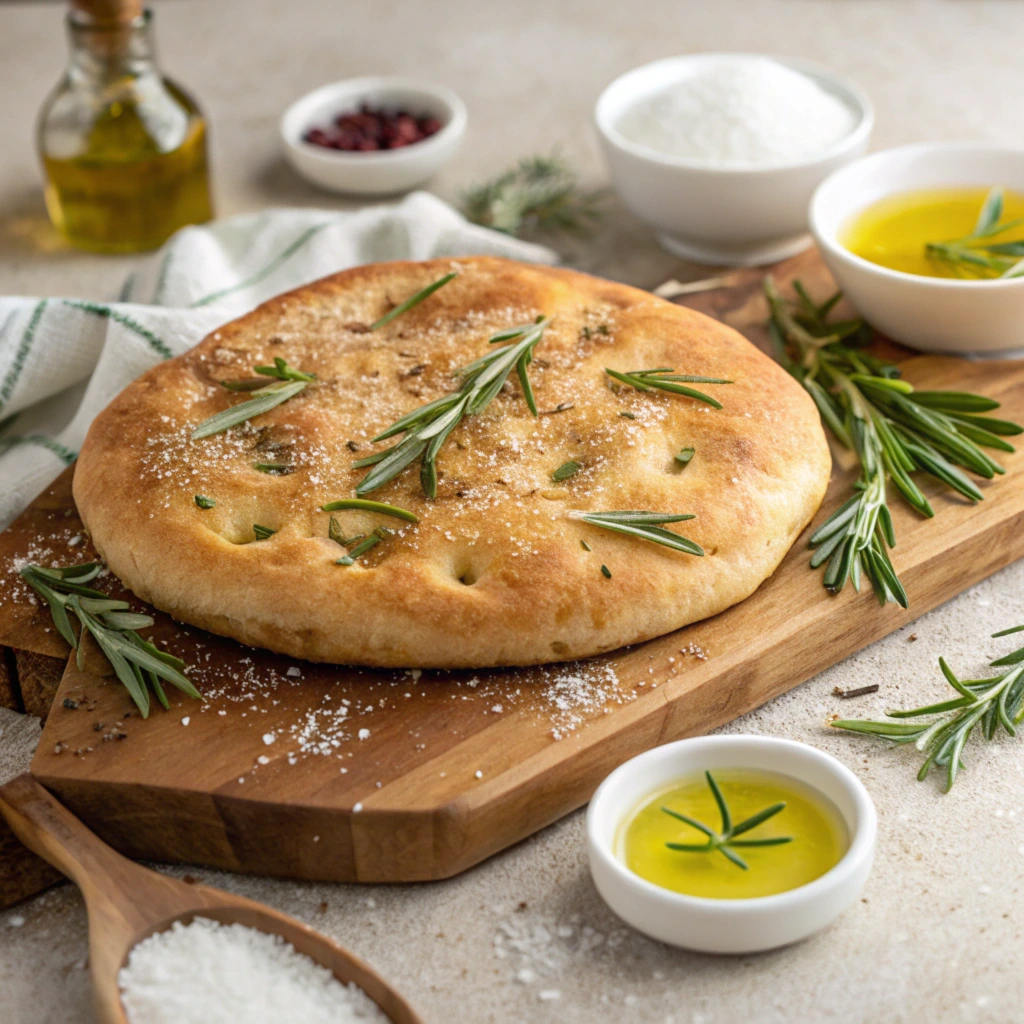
420,777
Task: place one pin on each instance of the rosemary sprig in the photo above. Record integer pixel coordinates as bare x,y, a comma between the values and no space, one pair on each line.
666,379
894,430
643,525
541,193
427,428
991,703
415,300
137,663
725,840
974,255
290,382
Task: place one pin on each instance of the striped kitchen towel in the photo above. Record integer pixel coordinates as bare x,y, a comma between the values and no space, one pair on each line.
63,359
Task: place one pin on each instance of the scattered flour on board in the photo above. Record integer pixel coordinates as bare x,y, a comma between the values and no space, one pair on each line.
211,973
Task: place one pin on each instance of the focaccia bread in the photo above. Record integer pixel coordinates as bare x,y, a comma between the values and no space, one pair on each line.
496,571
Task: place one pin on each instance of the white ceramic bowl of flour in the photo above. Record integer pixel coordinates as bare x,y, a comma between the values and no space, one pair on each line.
721,153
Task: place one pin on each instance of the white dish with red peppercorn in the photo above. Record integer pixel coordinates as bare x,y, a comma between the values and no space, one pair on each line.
373,136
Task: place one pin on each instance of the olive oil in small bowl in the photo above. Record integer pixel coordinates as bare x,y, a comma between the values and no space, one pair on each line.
939,232
796,845
731,844
898,230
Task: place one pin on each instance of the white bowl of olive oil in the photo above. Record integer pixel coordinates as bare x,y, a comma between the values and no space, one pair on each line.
898,231
688,842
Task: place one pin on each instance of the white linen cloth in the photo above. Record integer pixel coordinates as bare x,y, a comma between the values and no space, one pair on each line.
63,359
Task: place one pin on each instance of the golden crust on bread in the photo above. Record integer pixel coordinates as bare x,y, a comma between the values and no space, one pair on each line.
494,573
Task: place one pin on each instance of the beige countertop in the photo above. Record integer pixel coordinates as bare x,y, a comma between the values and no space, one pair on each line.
525,937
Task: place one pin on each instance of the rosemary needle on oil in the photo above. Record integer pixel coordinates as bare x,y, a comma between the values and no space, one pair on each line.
975,255
725,841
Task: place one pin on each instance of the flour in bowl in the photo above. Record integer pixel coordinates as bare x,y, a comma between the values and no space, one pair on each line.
742,112
206,972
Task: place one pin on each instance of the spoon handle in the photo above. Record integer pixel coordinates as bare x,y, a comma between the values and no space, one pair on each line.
48,828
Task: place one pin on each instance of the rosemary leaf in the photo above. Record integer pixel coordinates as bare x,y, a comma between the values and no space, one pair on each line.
204,502
282,371
274,468
267,398
360,549
684,455
606,572
415,300
566,470
262,532
666,379
364,505
644,526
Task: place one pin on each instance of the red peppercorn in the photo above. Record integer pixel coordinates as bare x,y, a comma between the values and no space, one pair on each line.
371,128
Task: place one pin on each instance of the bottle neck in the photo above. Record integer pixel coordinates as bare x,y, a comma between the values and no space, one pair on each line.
106,51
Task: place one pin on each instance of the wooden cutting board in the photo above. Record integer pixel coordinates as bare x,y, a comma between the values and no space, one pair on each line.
322,772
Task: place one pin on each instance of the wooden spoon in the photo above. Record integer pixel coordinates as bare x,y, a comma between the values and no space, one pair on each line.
127,903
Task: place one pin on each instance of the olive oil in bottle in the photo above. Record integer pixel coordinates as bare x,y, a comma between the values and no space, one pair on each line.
123,148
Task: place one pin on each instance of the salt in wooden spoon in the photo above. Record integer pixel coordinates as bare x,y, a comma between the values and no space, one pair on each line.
127,903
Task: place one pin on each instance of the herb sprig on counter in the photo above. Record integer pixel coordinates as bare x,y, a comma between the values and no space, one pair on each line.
666,379
137,663
643,525
541,193
975,255
290,382
992,703
725,841
427,428
894,431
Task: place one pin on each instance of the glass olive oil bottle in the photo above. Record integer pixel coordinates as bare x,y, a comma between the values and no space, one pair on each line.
123,148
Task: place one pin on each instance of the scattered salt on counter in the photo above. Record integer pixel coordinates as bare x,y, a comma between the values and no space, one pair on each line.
740,112
211,973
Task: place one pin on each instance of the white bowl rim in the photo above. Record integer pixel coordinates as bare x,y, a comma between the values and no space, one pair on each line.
292,131
855,95
861,841
827,240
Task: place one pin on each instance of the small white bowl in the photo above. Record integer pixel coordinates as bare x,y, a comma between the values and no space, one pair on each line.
381,172
936,314
731,216
727,925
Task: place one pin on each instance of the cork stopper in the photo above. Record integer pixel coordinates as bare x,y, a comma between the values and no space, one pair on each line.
108,12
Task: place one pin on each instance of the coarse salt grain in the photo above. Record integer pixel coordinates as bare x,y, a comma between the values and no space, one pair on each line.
223,973
740,112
